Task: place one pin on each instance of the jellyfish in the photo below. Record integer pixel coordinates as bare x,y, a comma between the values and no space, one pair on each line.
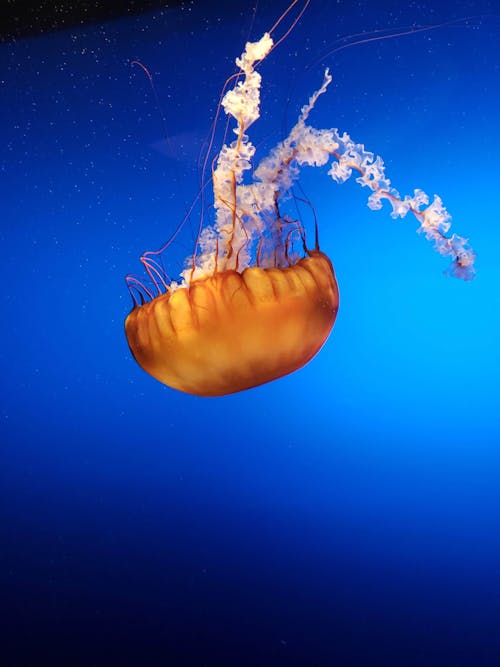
255,302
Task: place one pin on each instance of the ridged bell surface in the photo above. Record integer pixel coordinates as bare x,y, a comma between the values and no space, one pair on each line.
232,331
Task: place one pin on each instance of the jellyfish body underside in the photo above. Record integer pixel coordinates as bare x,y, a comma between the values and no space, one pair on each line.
232,331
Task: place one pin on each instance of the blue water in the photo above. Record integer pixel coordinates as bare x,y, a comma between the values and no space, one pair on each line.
346,515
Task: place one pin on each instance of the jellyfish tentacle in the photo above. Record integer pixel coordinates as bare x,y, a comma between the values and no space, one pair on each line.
275,175
434,219
156,272
294,22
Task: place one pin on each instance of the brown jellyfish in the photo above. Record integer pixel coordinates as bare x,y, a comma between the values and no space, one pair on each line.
254,303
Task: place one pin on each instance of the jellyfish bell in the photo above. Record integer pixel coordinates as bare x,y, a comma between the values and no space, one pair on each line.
231,331
254,303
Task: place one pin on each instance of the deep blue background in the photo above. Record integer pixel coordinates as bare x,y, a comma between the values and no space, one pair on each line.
347,515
